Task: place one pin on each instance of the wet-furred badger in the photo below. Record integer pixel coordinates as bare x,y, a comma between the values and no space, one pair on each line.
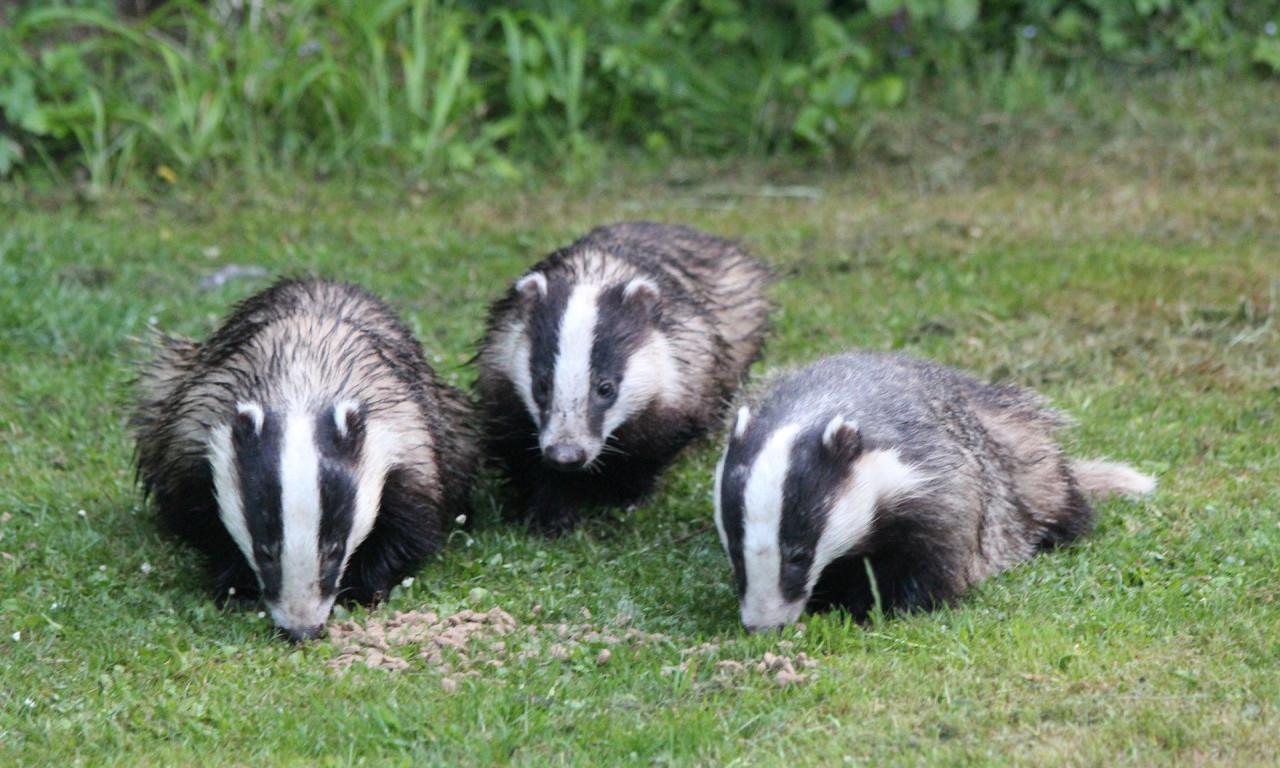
874,473
306,448
609,356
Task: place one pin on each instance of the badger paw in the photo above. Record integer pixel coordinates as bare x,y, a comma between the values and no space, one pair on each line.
551,517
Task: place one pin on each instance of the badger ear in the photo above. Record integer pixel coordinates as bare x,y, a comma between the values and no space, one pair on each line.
249,419
349,422
744,421
842,439
532,286
644,293
347,417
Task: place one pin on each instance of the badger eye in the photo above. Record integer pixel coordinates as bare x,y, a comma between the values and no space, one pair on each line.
796,557
605,390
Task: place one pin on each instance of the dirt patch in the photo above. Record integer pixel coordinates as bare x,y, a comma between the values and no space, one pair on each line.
465,643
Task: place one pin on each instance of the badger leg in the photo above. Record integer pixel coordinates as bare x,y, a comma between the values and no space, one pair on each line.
901,583
1075,519
401,540
556,499
551,512
235,584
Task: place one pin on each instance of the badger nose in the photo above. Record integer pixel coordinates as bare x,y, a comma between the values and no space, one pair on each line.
565,457
302,634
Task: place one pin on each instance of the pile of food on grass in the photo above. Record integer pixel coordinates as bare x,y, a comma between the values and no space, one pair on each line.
469,642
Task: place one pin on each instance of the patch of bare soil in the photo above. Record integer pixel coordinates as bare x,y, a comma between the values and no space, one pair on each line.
465,643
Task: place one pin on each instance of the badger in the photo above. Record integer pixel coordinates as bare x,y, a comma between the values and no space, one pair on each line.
608,357
306,448
877,480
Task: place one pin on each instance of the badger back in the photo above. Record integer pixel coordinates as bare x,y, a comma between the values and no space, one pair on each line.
631,319
314,430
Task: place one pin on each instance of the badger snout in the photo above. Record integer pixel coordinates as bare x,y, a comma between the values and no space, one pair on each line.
565,457
301,634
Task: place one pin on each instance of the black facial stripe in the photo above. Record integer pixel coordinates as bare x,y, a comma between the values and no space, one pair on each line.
807,494
544,332
622,326
331,442
257,457
337,514
733,483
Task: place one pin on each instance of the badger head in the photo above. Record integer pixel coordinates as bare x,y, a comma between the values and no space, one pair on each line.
298,491
587,357
790,500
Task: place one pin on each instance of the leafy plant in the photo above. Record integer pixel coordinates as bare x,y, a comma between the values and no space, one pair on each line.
441,86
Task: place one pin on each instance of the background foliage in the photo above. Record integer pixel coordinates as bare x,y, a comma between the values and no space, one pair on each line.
161,89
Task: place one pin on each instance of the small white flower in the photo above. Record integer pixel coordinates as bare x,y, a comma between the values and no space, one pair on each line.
53,607
82,513
460,519
152,320
262,614
28,702
16,636
1269,28
470,542
145,568
231,590
212,252
408,582
102,567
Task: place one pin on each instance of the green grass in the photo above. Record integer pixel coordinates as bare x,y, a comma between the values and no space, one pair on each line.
1122,259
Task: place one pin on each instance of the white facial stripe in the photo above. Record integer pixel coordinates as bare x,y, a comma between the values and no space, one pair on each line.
650,376
512,349
299,602
226,489
715,494
378,455
878,477
572,383
744,420
763,604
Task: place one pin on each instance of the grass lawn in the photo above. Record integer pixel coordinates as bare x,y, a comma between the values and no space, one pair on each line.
1120,254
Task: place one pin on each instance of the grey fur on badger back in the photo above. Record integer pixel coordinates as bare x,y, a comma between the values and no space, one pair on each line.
933,479
306,448
609,356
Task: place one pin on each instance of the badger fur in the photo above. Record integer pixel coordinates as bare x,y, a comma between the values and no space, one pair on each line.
876,477
609,356
306,448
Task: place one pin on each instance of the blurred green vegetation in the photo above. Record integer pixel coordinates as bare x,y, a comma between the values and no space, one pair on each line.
138,91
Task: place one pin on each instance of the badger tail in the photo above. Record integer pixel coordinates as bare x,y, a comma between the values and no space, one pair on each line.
1099,478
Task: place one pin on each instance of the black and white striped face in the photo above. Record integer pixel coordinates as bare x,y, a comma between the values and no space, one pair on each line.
584,358
290,493
792,498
